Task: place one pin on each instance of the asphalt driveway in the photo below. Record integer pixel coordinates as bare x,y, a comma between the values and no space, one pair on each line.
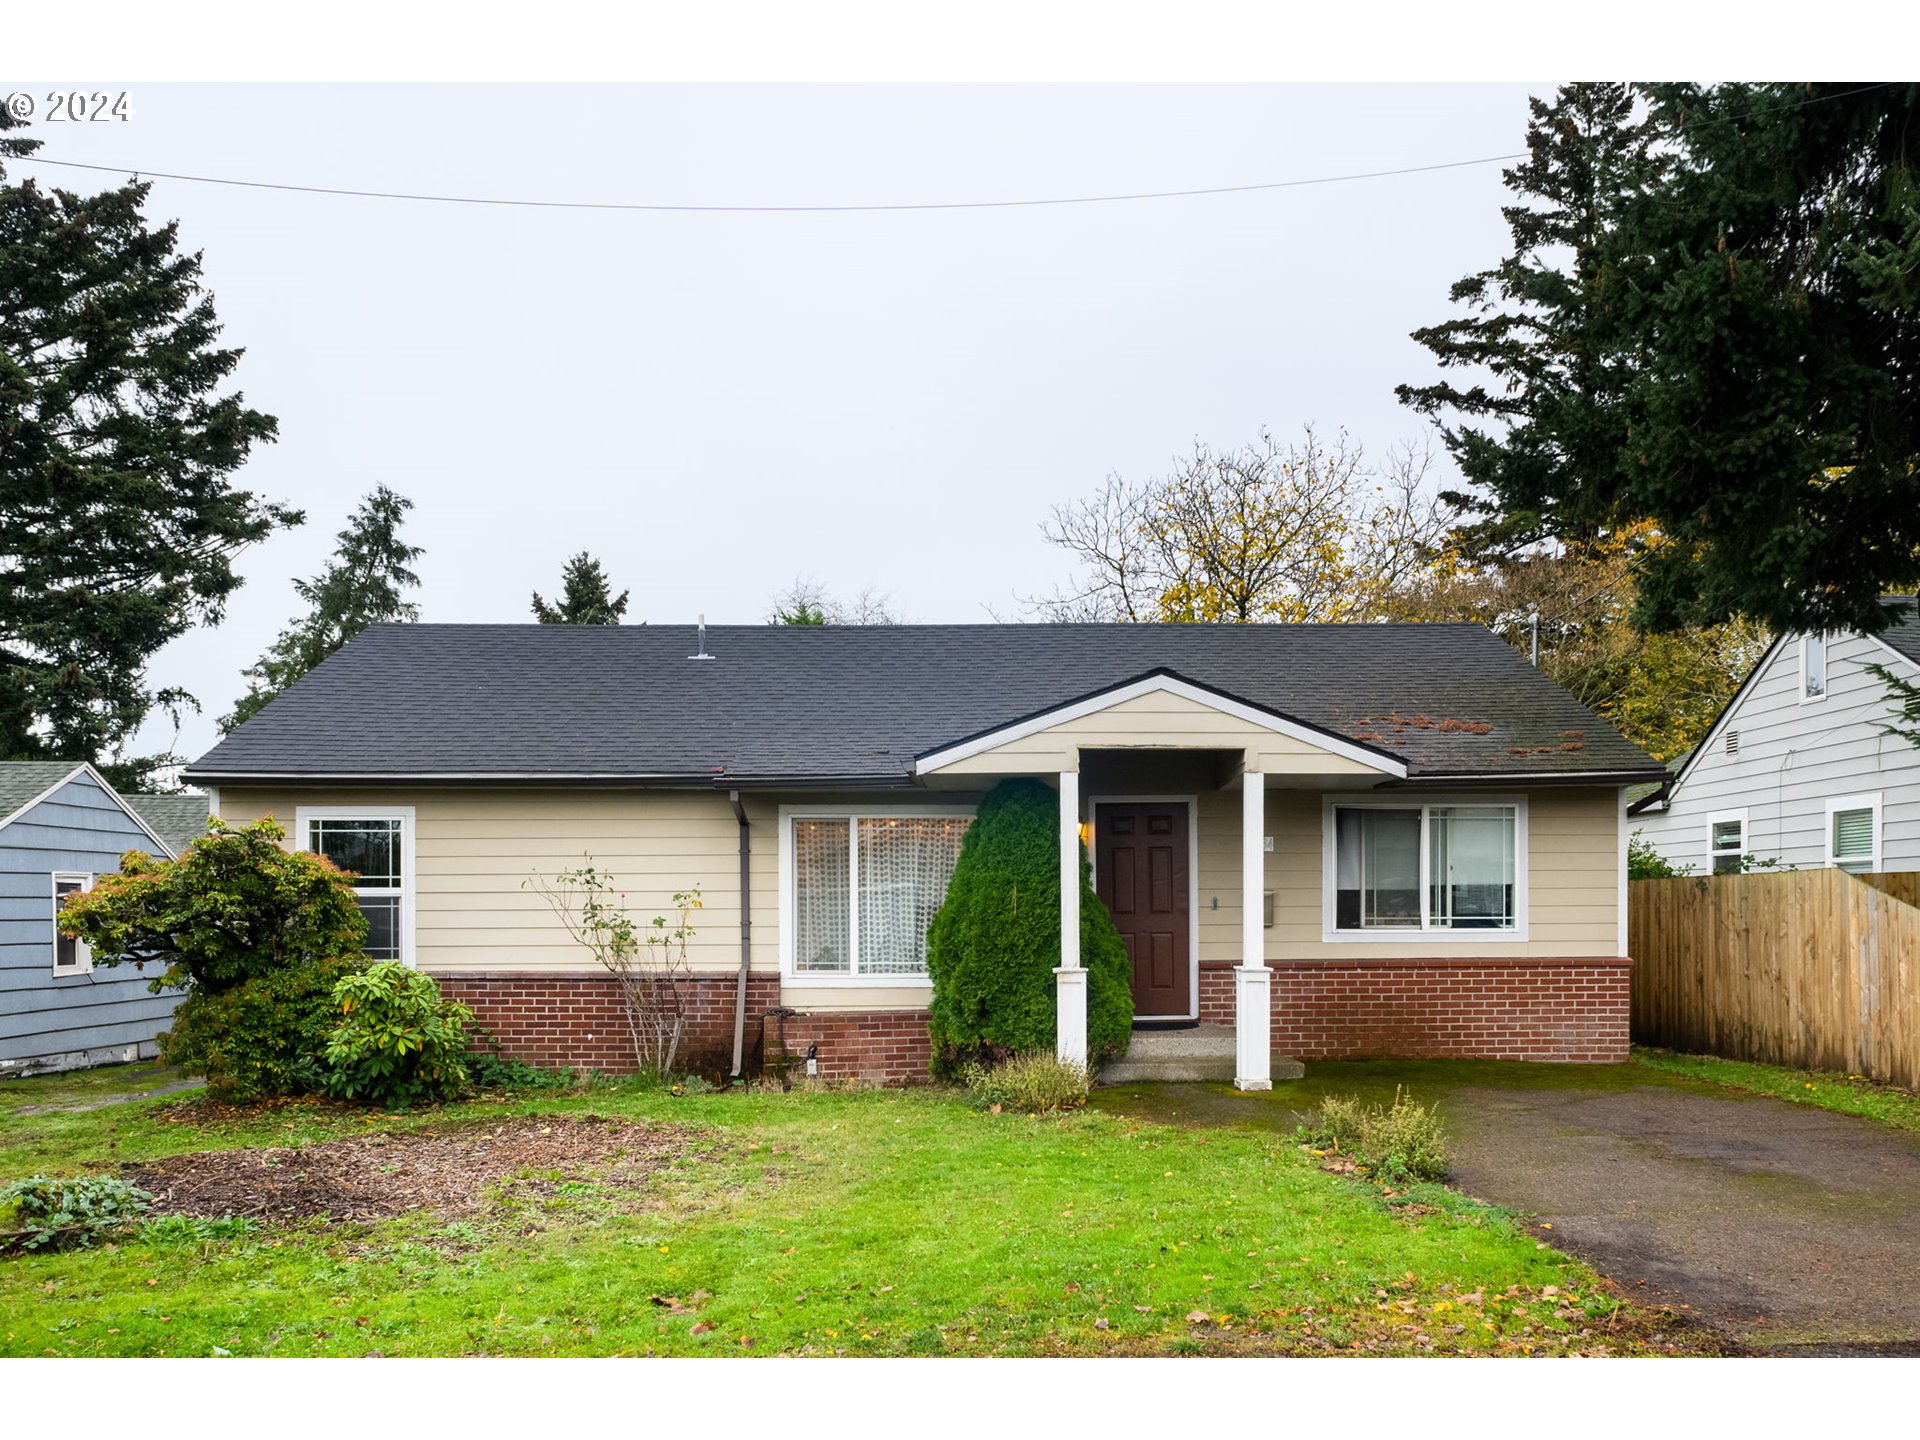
1786,1228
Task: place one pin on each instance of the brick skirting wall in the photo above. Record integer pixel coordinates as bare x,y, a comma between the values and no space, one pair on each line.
1420,1008
1440,1008
556,1021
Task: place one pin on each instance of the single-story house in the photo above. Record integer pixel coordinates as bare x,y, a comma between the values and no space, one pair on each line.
1340,840
61,826
1801,769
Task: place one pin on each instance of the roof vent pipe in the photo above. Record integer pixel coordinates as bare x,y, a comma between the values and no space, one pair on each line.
703,655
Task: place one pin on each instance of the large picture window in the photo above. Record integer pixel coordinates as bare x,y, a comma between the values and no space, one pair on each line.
375,845
1425,868
862,889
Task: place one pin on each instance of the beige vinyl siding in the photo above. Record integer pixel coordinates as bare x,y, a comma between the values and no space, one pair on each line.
474,847
1573,881
1158,720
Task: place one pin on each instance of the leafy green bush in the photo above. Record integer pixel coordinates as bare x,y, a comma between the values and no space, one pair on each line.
496,1070
73,1212
399,1041
993,946
234,907
1036,1084
1644,862
1401,1142
264,1036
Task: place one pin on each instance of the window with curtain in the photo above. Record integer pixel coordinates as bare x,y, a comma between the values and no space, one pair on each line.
1427,867
371,848
866,889
1853,838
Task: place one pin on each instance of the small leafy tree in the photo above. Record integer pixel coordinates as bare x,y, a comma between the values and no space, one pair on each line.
995,943
235,906
399,1041
649,966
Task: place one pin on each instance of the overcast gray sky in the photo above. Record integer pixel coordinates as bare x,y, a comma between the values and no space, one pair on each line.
716,403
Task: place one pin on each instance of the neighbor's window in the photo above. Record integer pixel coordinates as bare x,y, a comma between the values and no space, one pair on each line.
371,847
70,956
1813,665
865,889
1853,832
1727,842
1427,867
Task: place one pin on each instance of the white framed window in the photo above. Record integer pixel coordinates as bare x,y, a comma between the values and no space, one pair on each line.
859,887
1436,869
1727,842
375,842
70,956
1813,666
1853,832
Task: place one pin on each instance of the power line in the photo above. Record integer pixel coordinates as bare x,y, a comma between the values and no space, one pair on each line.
656,208
142,174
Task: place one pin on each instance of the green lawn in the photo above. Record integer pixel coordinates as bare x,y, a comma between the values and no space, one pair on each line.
813,1223
1849,1094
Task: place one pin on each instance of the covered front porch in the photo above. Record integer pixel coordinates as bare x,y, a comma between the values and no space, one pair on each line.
1164,787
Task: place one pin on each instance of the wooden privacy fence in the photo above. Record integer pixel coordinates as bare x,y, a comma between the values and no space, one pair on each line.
1817,969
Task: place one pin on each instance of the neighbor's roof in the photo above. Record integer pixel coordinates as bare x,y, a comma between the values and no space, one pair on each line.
177,819
859,703
24,781
1904,633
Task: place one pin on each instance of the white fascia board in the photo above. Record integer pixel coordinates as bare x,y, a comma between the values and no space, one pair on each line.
1155,684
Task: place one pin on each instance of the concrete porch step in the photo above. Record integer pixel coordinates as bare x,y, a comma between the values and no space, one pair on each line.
1203,1053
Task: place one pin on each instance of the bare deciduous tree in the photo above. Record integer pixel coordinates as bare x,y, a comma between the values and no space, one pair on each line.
649,966
807,602
1305,532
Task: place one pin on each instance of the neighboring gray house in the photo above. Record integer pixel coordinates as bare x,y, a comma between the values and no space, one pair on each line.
61,825
1799,768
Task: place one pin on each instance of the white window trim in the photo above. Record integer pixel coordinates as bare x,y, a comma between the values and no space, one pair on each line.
409,872
1716,817
1826,679
1192,802
854,980
83,954
1426,934
1854,802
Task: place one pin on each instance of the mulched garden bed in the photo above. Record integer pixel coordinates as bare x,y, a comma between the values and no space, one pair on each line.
447,1172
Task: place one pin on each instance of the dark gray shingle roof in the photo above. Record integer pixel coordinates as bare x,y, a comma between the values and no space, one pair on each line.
177,819
850,702
1904,633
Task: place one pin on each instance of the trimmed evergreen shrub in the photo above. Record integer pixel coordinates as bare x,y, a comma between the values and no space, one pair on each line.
993,947
263,1036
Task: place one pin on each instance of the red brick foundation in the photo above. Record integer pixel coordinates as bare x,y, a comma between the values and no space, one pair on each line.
1440,1008
576,1020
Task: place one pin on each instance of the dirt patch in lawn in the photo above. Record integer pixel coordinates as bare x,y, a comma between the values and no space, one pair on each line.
446,1172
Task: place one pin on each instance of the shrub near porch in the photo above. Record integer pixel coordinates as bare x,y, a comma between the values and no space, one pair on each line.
860,1224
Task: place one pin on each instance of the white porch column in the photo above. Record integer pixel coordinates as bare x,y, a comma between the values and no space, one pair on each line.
1070,981
1252,981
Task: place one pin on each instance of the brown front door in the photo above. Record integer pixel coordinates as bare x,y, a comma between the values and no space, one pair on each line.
1141,875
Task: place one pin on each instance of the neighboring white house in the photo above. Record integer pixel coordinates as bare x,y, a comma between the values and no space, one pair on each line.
1800,768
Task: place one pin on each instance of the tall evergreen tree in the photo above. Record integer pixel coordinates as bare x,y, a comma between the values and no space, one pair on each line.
587,597
1542,445
1772,304
120,518
364,585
